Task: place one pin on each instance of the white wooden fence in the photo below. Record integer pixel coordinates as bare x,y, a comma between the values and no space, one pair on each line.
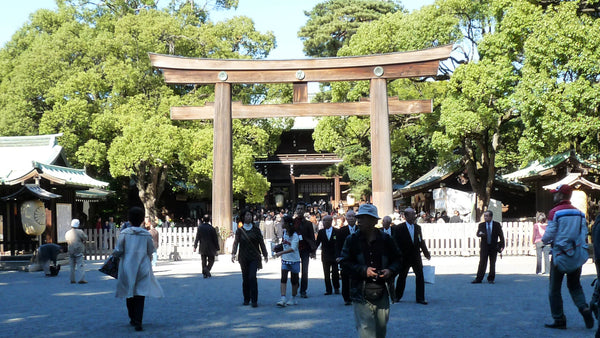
459,239
447,239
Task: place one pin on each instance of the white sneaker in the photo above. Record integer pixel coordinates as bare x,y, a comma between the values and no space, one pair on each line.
281,302
292,301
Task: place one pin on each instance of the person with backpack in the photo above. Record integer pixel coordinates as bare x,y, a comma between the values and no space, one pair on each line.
567,231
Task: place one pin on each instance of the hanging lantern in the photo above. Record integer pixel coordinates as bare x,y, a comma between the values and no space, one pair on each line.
33,217
279,200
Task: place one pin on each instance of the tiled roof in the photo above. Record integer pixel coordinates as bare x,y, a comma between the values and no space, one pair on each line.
28,157
536,168
68,176
18,152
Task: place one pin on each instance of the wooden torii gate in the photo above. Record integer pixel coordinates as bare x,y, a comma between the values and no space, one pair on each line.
376,68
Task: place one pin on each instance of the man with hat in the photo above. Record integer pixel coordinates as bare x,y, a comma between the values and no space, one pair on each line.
567,231
370,257
75,237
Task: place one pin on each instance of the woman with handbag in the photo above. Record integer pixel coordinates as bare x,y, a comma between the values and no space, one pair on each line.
251,243
539,228
136,279
290,261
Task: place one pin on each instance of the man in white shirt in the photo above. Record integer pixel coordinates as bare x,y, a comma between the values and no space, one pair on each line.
386,222
492,242
344,232
327,238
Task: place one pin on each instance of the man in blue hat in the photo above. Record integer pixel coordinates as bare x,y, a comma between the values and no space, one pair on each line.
371,258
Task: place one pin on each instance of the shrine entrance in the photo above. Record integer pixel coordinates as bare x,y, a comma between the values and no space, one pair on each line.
375,68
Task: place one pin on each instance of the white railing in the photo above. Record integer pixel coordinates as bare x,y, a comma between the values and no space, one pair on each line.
445,239
459,239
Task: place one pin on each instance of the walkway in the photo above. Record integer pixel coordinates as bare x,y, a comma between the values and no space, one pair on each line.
516,306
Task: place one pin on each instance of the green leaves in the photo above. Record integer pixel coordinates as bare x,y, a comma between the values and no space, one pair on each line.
84,71
333,22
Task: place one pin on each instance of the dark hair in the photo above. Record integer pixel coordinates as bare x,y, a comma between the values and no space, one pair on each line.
288,223
541,218
489,212
136,216
243,213
205,218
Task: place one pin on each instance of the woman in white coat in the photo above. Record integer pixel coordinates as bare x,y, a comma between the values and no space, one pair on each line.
136,279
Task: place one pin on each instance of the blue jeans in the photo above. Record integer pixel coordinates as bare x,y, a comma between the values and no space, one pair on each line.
154,258
554,292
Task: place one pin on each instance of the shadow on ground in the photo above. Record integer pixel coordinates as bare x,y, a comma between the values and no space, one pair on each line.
516,306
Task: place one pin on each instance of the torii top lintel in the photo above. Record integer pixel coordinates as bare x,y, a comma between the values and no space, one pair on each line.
186,70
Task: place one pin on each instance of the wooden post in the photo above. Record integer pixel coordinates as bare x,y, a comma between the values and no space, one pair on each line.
337,193
222,195
381,162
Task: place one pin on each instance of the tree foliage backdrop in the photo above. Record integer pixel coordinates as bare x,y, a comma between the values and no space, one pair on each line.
521,85
83,70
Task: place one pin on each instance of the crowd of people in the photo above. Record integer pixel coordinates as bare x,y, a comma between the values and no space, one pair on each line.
365,262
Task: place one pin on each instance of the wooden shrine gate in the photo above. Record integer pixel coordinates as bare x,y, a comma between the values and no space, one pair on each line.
375,68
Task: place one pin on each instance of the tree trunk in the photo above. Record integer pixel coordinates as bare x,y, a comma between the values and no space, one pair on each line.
150,183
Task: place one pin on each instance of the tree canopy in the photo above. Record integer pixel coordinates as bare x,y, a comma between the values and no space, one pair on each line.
83,70
523,83
332,23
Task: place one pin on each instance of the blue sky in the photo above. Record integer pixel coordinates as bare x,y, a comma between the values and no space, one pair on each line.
283,17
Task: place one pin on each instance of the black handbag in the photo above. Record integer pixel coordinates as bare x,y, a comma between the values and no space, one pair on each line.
373,292
111,267
278,248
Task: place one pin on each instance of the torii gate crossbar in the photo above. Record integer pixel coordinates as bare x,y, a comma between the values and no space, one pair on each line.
375,68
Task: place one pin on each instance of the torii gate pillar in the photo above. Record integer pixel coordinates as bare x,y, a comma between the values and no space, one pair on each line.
222,197
381,162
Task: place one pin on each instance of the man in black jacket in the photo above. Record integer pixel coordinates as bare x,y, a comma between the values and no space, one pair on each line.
409,239
343,233
327,238
307,247
207,238
370,257
492,242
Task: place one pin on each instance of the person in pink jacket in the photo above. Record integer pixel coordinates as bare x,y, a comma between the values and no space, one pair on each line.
539,227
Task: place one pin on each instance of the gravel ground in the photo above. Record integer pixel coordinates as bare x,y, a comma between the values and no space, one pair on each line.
516,306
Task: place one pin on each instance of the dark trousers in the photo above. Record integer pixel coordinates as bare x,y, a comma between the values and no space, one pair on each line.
207,264
304,259
249,282
417,267
135,308
484,256
345,285
331,273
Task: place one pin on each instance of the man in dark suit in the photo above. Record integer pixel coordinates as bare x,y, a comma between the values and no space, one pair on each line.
307,247
206,237
492,242
386,223
344,232
410,242
327,238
